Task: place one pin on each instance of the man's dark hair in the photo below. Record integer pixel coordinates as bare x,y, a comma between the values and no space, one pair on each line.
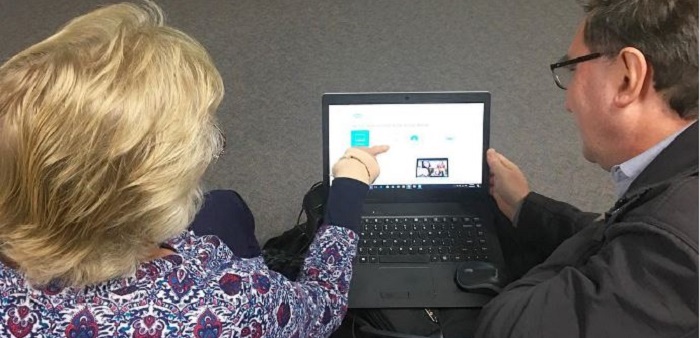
666,31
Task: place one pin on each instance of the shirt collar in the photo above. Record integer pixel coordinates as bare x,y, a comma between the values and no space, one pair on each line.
625,173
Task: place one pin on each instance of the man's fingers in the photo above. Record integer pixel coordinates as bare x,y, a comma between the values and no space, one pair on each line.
506,162
497,161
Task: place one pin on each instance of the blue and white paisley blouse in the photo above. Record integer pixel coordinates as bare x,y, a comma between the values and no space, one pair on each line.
201,291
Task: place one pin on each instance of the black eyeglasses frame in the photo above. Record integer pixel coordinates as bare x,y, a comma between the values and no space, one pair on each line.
563,62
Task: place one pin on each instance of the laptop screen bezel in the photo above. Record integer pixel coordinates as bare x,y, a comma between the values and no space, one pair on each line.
407,195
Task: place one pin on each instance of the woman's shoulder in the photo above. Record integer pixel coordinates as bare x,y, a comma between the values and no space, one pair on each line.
208,255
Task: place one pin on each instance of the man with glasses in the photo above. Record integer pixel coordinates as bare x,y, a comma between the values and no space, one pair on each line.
631,81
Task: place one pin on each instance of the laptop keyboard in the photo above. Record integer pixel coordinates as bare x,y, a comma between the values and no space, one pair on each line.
421,240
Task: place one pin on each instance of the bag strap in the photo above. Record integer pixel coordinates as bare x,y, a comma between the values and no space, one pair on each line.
313,206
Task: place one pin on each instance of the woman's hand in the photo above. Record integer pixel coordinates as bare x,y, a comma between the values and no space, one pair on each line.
359,164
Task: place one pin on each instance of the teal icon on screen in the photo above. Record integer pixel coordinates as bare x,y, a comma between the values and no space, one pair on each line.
359,138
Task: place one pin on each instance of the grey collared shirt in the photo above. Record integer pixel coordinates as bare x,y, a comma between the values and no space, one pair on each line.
625,173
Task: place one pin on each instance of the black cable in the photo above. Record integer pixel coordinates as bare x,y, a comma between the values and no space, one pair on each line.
353,327
367,328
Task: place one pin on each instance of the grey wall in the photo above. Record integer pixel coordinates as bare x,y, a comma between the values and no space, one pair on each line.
278,57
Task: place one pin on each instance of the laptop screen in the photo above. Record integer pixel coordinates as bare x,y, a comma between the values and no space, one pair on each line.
433,145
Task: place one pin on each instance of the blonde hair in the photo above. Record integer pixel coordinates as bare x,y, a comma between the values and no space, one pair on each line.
106,129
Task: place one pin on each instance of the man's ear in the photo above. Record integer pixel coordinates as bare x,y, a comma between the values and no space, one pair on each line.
636,76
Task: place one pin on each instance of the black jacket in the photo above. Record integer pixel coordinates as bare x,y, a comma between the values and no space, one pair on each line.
632,272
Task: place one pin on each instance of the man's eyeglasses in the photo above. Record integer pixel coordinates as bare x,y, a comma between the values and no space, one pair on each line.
563,70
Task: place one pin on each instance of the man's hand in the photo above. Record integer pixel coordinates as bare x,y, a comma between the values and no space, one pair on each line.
508,184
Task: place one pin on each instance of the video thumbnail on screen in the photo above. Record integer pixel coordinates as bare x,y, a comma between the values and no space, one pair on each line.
432,167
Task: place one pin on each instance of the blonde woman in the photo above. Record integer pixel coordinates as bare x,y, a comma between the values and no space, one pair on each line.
106,128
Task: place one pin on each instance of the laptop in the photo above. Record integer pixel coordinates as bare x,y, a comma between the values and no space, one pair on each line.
429,209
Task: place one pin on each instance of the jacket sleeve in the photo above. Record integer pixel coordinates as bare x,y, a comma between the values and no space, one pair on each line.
639,284
544,223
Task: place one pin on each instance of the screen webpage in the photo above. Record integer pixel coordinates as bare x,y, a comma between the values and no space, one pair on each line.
432,145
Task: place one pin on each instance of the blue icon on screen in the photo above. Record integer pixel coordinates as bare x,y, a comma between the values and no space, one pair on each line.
359,138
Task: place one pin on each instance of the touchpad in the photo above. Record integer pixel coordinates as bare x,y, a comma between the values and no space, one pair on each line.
405,282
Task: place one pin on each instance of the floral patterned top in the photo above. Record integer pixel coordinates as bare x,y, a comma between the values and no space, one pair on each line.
202,291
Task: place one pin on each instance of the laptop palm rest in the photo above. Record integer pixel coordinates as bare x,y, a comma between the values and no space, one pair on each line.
405,283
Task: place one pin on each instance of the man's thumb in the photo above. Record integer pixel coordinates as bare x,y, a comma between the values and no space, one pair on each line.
499,162
493,160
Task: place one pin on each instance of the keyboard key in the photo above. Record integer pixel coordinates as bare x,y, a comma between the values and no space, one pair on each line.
404,259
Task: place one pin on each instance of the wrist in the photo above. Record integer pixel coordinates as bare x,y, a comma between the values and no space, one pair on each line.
358,165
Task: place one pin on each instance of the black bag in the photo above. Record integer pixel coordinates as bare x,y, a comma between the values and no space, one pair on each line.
285,253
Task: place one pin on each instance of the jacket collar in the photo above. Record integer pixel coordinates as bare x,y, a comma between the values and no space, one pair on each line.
680,157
